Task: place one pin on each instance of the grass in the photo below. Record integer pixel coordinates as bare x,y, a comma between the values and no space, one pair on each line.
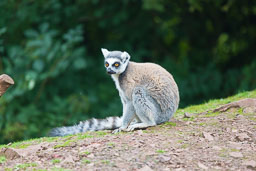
184,145
27,143
169,124
2,159
107,162
85,153
86,161
25,165
111,144
212,104
65,144
54,161
160,151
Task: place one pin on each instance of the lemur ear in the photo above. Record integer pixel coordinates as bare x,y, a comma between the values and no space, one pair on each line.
125,57
105,52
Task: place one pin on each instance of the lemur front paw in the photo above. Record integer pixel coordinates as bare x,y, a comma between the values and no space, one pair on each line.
131,128
118,130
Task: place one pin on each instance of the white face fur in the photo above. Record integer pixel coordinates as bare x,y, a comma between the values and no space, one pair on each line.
115,61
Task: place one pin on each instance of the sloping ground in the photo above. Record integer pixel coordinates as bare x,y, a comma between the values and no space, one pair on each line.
198,138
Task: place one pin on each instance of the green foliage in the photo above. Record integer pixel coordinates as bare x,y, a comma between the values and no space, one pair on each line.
52,50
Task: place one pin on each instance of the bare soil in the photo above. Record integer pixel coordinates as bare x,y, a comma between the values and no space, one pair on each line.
223,140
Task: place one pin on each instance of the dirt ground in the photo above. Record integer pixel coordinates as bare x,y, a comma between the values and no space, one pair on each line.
223,140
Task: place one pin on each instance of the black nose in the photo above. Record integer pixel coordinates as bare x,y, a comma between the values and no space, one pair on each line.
110,71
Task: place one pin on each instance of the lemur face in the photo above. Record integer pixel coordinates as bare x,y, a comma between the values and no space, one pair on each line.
115,61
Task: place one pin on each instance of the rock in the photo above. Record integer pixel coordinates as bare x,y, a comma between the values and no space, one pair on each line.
202,166
187,115
234,130
69,159
9,153
91,155
236,154
140,132
94,145
251,109
242,137
250,164
145,168
244,103
216,148
235,145
164,159
208,136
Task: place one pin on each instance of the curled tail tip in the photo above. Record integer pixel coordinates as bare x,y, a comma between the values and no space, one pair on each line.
55,132
63,131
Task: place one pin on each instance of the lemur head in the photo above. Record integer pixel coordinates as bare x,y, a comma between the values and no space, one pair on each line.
115,61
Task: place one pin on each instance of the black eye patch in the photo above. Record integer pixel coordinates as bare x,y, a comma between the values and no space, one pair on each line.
116,64
106,64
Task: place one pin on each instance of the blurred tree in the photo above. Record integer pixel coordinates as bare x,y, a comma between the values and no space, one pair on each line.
52,50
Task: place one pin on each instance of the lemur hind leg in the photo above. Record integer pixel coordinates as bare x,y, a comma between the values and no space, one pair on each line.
146,108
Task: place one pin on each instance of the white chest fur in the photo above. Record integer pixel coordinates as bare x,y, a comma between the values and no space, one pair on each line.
117,83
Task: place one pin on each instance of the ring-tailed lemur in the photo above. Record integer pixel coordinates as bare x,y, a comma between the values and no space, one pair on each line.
148,93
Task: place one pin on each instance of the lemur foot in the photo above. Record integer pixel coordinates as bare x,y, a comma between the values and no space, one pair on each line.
118,130
137,126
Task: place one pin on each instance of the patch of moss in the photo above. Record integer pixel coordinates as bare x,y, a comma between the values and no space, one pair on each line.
107,162
179,141
27,143
54,161
160,151
65,144
86,161
21,145
189,119
8,169
223,153
234,150
2,159
208,115
85,153
184,145
111,144
84,136
101,133
202,123
169,124
25,165
47,139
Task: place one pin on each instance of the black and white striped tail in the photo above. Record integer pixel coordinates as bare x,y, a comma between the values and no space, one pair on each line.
88,125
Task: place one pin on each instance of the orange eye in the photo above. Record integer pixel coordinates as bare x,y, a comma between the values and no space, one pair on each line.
116,64
106,64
